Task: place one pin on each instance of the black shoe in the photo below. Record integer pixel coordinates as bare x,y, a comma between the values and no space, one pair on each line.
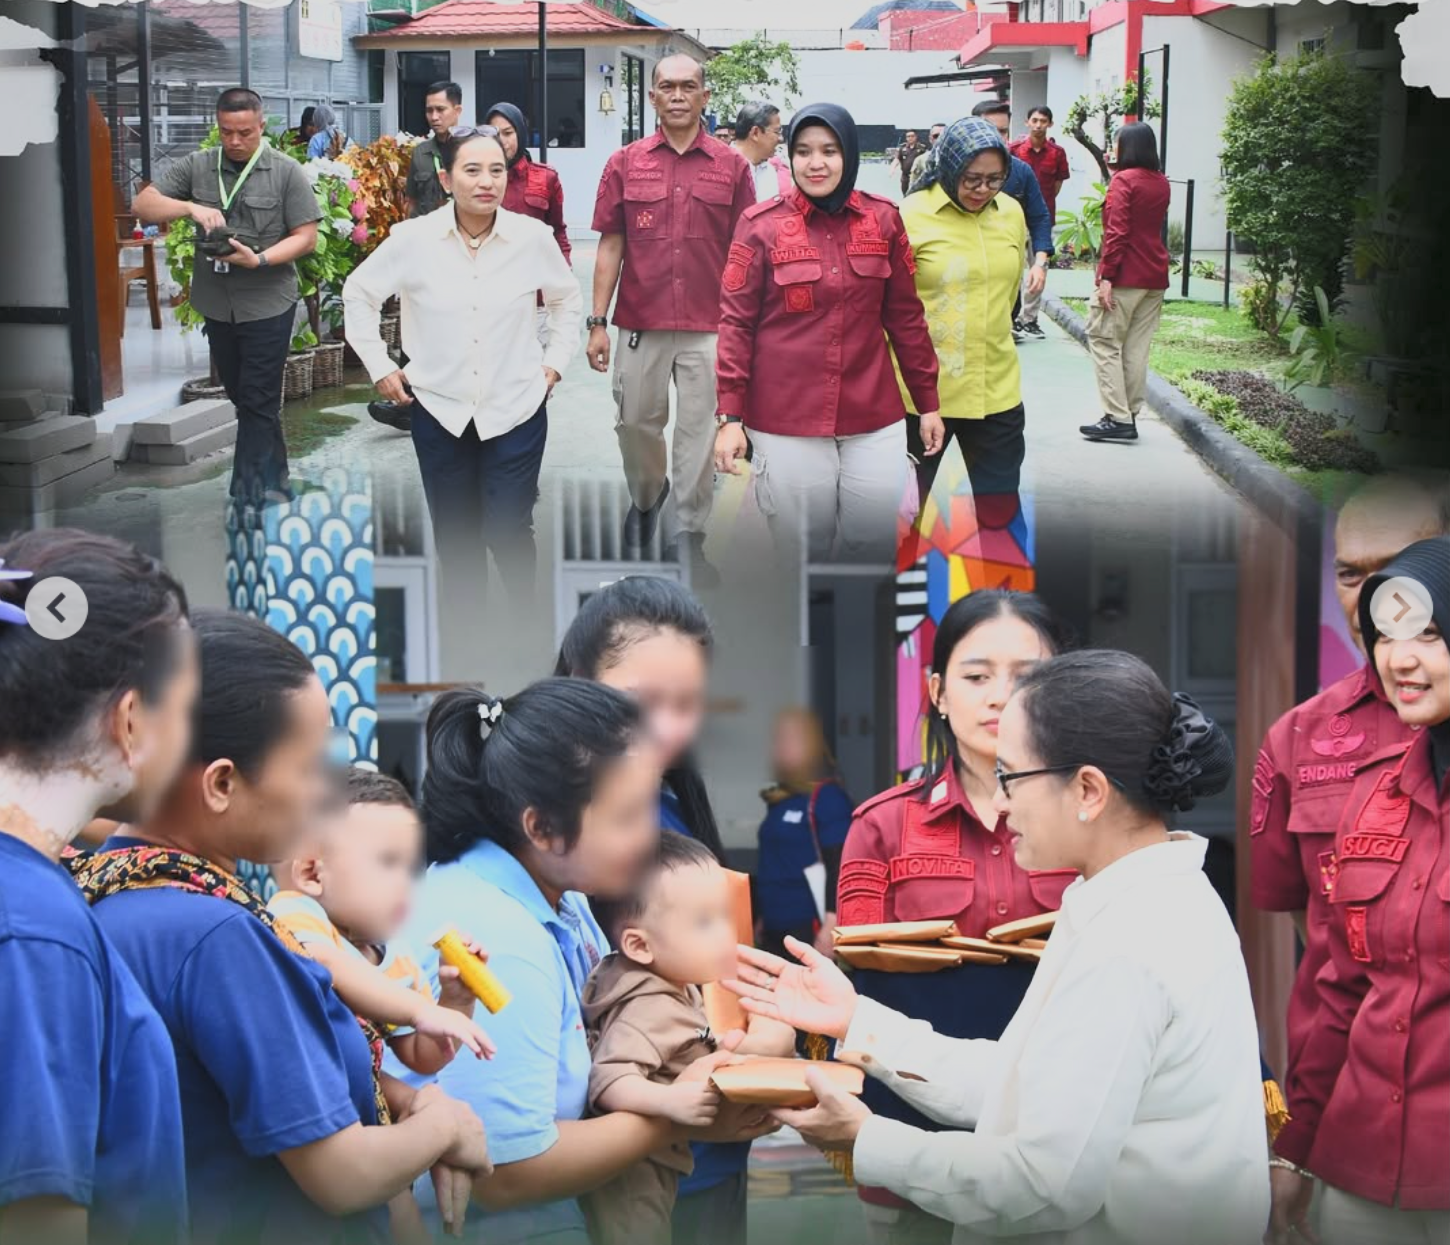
1031,328
640,525
391,414
1108,429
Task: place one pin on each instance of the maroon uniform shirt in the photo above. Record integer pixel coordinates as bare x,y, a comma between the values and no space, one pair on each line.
1302,782
1050,165
1133,254
1374,1114
809,303
677,212
535,190
912,860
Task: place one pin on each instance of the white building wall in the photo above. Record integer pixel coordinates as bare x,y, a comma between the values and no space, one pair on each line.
872,84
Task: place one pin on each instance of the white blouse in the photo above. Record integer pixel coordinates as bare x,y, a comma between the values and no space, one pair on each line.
1123,1104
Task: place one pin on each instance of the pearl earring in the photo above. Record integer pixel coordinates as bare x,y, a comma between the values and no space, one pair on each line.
1082,816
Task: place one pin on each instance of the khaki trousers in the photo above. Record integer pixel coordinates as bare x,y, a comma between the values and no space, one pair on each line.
642,376
1031,303
812,488
1345,1219
1119,341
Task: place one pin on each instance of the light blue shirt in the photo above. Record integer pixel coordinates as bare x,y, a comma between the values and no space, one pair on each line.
541,1072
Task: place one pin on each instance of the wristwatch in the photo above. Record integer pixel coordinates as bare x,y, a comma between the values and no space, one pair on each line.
596,322
722,421
262,260
1041,263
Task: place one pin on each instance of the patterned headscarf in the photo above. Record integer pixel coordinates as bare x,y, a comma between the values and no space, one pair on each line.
961,143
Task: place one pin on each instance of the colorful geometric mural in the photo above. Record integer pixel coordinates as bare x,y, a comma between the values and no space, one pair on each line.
307,571
953,546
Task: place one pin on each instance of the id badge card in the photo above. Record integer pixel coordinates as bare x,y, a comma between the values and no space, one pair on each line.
220,266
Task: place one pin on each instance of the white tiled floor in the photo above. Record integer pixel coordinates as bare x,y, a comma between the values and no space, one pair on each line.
155,364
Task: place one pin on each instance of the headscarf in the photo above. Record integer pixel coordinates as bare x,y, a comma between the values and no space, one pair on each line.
843,126
323,118
961,143
520,123
1427,562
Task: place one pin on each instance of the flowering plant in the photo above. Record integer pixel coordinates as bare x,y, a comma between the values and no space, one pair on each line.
381,172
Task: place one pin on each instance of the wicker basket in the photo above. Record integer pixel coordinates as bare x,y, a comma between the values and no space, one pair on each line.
392,331
327,365
297,376
202,390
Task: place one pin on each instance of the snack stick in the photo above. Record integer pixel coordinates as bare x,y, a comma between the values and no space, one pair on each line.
472,971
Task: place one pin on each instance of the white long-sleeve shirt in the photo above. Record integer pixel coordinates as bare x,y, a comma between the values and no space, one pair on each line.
1123,1104
468,320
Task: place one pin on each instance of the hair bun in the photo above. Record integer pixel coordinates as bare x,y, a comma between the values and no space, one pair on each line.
1194,760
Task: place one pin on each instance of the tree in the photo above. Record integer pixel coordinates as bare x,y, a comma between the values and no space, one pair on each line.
1107,108
755,68
1299,142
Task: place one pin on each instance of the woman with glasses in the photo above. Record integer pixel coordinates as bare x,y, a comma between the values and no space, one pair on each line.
969,241
1122,1104
1374,1074
936,849
815,284
1127,301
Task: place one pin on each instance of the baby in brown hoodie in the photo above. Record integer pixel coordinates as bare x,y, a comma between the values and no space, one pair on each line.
646,1021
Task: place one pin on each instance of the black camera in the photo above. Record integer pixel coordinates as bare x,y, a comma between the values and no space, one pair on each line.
217,243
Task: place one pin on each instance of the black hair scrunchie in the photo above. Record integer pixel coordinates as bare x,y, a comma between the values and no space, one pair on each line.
1175,765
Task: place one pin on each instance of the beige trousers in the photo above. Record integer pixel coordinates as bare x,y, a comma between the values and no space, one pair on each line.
812,489
642,376
1119,341
1345,1219
1031,303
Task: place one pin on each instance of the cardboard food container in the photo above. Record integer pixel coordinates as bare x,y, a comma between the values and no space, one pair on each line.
1033,944
898,958
781,1082
722,1009
898,931
1027,927
997,950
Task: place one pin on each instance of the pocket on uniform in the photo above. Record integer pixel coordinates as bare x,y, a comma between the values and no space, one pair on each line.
760,484
918,893
800,272
541,202
876,267
1047,886
645,209
260,224
710,208
1361,881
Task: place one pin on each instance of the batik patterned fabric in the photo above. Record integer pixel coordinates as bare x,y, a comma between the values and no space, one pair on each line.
945,550
306,569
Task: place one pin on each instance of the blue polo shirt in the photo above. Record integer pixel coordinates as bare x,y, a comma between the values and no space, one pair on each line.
541,1072
91,1107
268,1059
787,849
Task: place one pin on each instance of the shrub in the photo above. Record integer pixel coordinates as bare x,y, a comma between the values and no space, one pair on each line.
1260,302
1175,237
1317,350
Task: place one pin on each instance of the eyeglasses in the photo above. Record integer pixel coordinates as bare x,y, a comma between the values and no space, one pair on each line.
973,181
1004,776
473,131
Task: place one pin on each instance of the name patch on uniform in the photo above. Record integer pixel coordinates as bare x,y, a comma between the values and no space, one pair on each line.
793,254
644,173
714,177
799,298
904,868
793,817
1374,847
877,246
1316,775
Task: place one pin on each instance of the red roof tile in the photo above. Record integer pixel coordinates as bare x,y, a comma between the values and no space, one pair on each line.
469,18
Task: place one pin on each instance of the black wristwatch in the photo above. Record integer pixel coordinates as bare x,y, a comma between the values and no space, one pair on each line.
262,260
722,421
596,322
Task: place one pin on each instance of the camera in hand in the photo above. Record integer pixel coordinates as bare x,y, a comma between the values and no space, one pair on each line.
217,243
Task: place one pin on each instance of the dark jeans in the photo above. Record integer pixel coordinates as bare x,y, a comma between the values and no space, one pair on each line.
713,1216
484,491
993,449
249,359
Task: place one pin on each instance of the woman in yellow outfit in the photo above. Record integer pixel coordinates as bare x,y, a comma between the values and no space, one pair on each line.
969,241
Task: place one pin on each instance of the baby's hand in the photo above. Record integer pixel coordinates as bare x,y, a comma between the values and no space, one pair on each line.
692,1103
452,993
437,1021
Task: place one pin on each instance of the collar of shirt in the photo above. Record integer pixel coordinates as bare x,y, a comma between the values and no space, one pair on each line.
503,225
949,798
498,866
1353,691
1085,898
939,201
1417,776
802,203
657,140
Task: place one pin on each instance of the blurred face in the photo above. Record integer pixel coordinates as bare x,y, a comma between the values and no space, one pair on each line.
264,817
160,734
619,828
977,683
363,869
1037,126
478,178
1003,123
911,139
981,180
687,932
763,142
666,673
792,749
442,114
507,135
936,132
817,161
678,93
1416,676
1041,809
241,134
1370,532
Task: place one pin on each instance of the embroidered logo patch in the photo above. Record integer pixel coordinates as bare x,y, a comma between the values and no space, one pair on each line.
1374,847
908,256
644,220
1386,811
1343,739
862,890
904,868
790,229
799,298
1356,923
1328,871
1263,789
737,266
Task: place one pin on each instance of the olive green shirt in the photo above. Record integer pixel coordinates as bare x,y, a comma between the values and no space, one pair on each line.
274,200
424,188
